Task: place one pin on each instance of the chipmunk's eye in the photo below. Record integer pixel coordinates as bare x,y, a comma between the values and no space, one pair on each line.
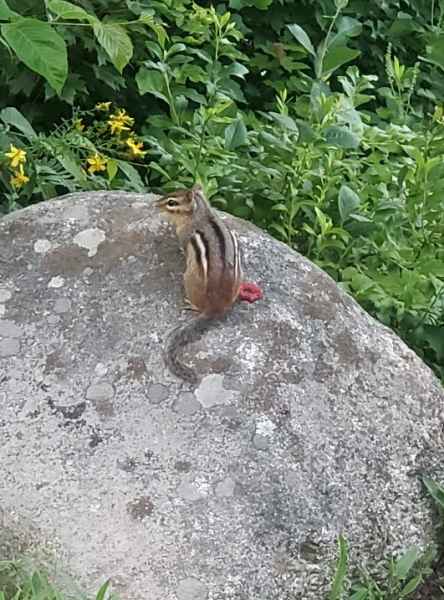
172,202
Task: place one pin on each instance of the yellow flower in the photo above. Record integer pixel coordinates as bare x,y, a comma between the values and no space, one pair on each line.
103,106
117,126
78,125
16,156
120,121
135,147
96,163
19,179
124,117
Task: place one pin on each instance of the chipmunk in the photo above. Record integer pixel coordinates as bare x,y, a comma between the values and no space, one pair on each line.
212,278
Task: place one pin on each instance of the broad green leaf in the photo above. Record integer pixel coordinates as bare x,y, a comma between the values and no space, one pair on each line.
235,134
361,594
341,571
11,116
285,121
40,47
337,56
132,175
175,48
66,10
111,168
404,564
403,24
195,96
280,229
341,137
350,26
280,207
435,50
154,48
116,43
237,70
302,38
347,27
69,162
431,266
5,12
348,201
151,81
410,586
434,336
231,89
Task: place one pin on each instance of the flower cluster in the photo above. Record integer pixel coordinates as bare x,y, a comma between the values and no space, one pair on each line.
96,163
17,159
117,131
120,121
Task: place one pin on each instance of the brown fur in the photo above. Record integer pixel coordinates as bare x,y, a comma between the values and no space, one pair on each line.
210,285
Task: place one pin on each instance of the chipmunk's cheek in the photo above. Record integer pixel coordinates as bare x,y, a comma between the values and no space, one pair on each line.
250,292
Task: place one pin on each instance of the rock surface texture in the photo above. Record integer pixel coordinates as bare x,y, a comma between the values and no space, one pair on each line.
310,418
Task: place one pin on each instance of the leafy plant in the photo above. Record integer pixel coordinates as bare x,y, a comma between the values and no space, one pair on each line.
402,577
18,582
93,150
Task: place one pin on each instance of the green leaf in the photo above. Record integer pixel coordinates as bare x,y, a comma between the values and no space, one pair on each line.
40,47
404,564
410,586
259,4
132,175
285,121
341,137
434,336
361,594
235,134
66,10
11,116
302,38
403,24
111,168
116,43
349,26
341,571
102,592
337,56
69,162
237,70
5,12
348,201
435,50
435,490
151,81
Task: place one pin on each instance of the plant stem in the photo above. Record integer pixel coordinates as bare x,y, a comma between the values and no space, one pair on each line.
325,43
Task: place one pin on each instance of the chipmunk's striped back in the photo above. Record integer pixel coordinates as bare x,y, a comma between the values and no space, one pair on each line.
213,272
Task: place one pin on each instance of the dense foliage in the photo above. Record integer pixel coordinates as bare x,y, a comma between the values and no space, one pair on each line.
321,121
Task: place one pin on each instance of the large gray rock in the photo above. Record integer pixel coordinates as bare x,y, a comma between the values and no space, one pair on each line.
310,419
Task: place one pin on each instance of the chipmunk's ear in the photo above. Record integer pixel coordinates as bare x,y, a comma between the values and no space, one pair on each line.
197,193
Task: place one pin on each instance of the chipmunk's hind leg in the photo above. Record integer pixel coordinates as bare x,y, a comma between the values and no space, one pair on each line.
188,305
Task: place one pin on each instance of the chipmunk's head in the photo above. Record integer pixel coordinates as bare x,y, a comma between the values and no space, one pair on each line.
181,203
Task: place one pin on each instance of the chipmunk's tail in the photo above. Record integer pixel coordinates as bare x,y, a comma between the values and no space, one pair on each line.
178,338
